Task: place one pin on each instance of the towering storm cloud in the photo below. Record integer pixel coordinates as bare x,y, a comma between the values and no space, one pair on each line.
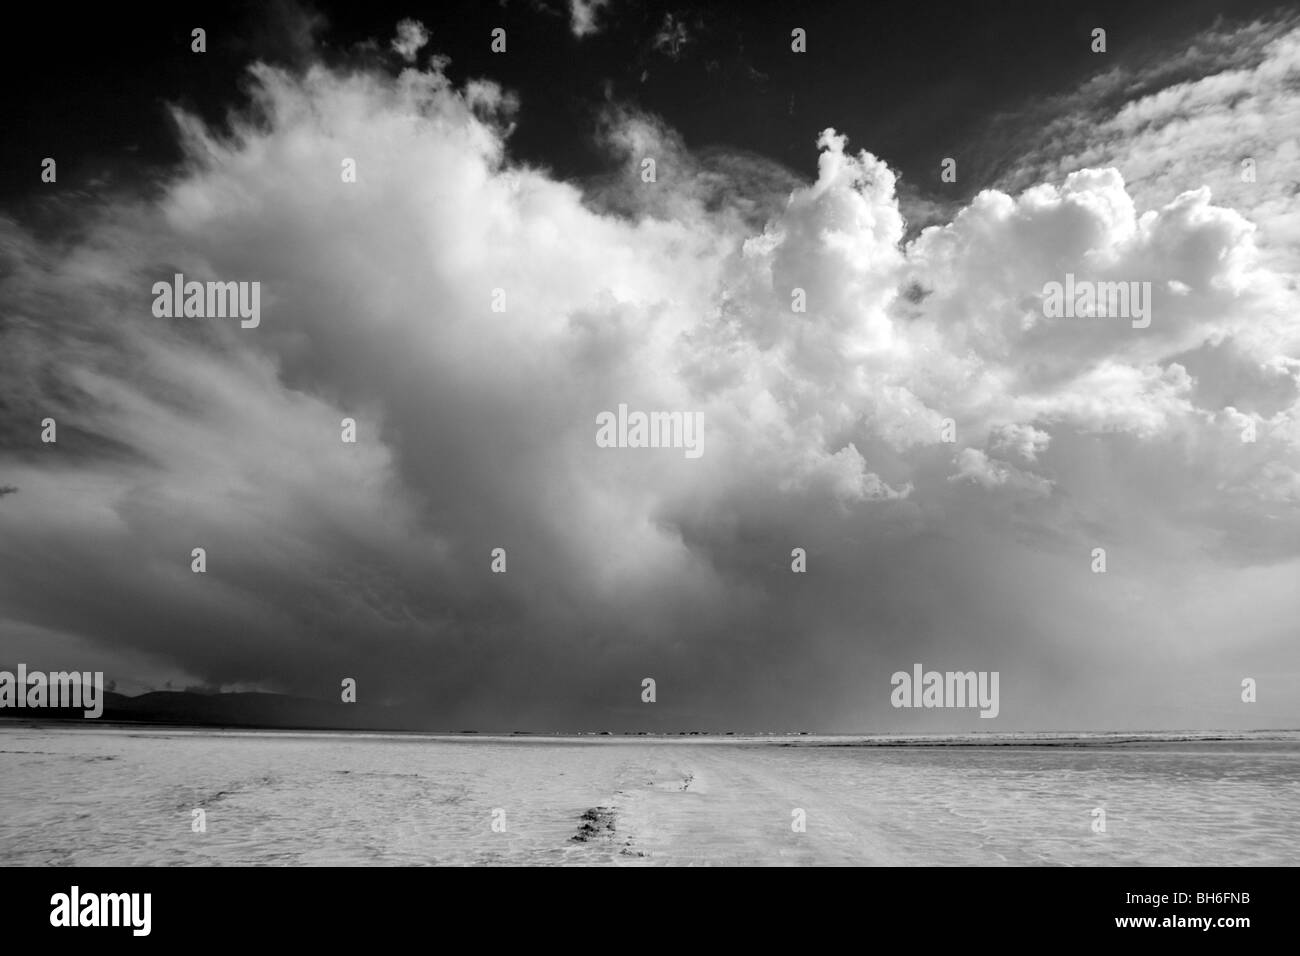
946,427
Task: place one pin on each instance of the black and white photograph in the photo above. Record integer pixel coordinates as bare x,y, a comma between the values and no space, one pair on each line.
623,433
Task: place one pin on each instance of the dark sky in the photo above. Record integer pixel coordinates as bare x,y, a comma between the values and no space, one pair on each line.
912,79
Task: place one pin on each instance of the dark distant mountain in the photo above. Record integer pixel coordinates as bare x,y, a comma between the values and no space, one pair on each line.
250,710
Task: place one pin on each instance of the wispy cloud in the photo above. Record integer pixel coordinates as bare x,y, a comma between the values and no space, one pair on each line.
584,16
411,38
